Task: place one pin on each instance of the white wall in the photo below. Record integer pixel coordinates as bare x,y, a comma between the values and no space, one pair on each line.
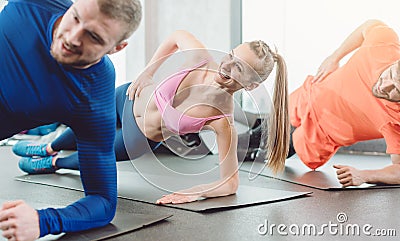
2,4
307,31
208,20
119,60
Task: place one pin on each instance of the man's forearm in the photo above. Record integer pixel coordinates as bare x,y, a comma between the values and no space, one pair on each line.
387,175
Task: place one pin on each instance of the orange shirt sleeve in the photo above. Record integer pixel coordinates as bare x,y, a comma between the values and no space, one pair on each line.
391,133
380,34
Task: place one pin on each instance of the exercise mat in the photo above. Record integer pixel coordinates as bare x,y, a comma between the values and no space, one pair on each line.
122,223
137,184
324,177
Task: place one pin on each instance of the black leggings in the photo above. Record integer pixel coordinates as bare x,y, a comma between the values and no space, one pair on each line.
250,147
292,151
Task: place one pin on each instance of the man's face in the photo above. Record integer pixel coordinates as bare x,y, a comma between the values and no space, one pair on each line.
388,85
84,35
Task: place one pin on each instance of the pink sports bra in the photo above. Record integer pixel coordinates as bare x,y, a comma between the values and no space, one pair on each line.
175,120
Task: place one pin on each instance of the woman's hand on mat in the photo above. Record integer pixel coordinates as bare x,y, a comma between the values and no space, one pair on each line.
19,221
329,65
218,188
178,198
136,87
349,176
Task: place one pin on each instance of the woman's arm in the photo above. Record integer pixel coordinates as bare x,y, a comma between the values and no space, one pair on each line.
350,176
352,42
227,148
229,178
179,40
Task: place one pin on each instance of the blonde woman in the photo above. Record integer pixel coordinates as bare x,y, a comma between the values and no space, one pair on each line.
198,97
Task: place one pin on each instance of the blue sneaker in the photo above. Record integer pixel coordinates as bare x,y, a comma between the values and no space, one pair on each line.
29,149
41,165
43,130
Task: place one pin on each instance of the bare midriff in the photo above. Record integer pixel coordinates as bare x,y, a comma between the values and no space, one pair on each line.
147,116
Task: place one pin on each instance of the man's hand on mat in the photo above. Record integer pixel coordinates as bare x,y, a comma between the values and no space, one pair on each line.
329,65
177,198
349,176
19,221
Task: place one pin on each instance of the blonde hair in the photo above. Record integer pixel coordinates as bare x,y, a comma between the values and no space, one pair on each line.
276,129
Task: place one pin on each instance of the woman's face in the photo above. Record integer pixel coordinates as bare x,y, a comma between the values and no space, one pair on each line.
388,85
236,69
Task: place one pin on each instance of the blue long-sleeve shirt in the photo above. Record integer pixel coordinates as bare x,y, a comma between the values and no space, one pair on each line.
36,90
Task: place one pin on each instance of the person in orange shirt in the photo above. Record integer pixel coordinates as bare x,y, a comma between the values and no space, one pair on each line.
358,101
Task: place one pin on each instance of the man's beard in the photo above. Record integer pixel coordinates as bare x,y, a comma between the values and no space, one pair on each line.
59,58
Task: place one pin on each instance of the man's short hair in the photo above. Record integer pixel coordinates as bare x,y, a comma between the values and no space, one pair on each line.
126,11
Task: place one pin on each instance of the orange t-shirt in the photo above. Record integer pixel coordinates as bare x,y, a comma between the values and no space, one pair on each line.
341,110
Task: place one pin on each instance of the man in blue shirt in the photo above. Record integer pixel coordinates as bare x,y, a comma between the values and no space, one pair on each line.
54,68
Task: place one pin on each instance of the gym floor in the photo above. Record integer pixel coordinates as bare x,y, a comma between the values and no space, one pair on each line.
374,210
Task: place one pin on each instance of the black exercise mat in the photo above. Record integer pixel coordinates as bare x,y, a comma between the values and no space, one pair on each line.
324,177
133,186
122,223
150,177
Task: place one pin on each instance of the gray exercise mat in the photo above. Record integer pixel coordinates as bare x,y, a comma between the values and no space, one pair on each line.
122,223
324,177
133,186
150,177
